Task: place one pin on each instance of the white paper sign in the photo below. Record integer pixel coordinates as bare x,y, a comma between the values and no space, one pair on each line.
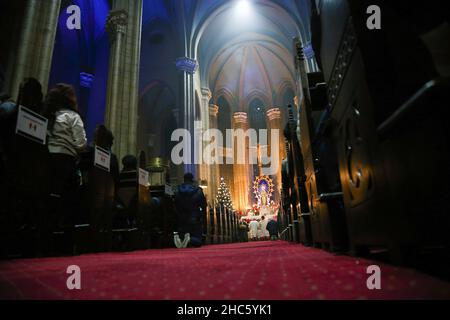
143,177
168,190
102,158
31,125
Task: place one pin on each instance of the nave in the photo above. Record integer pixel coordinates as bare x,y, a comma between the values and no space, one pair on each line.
264,270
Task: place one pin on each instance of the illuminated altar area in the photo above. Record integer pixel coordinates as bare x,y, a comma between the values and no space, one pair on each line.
263,188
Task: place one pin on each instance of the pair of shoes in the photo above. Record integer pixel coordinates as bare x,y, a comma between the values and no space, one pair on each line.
176,240
181,244
186,240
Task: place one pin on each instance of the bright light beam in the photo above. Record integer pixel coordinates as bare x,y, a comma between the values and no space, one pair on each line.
243,8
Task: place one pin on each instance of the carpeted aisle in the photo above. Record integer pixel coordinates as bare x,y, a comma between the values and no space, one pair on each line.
261,271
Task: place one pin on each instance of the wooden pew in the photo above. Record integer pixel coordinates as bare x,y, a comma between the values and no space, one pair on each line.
144,203
215,225
98,204
388,126
325,202
125,222
24,229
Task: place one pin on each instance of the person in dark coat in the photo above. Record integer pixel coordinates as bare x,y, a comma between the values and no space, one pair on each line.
190,203
272,227
243,231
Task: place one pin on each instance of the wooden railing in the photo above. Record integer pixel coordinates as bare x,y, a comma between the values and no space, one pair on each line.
222,226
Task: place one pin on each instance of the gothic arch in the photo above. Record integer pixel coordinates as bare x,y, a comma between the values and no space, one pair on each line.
227,94
157,101
281,90
256,94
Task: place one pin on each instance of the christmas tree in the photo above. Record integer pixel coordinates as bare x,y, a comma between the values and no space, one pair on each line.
224,195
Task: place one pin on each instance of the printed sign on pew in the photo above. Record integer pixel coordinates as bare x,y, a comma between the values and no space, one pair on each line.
31,125
102,158
143,178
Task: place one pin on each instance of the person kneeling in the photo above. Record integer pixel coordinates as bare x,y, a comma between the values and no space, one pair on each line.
190,203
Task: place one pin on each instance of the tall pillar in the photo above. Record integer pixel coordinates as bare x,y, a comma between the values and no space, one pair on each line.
35,47
275,123
241,188
296,114
205,168
124,26
187,68
213,169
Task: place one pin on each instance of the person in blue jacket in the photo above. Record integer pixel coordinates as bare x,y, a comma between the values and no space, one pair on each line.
190,203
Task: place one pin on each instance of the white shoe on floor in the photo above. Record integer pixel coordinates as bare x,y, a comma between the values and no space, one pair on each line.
186,240
177,241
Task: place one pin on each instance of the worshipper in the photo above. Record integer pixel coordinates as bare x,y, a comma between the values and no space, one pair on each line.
66,140
272,228
264,234
23,180
128,193
104,188
254,226
30,96
243,231
190,203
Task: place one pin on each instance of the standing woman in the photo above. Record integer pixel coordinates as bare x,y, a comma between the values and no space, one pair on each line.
66,140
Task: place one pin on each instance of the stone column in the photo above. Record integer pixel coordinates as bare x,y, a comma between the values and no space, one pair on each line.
205,168
241,171
274,123
296,111
187,68
124,26
213,169
311,63
35,46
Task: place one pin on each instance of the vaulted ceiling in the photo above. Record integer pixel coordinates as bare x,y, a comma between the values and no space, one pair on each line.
244,47
247,55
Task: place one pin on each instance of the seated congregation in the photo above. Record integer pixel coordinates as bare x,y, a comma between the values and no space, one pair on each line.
57,201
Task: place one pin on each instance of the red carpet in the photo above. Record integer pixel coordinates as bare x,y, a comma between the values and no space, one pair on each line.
261,271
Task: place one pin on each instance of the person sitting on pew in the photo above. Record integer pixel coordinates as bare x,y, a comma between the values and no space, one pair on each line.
23,180
128,176
128,192
104,138
104,191
190,203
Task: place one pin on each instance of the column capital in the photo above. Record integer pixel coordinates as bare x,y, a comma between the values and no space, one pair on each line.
187,65
308,51
274,113
206,93
240,117
116,22
213,110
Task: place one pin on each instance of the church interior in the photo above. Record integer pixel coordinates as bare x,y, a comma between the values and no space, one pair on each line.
337,109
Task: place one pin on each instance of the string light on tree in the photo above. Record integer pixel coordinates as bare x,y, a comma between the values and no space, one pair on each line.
224,195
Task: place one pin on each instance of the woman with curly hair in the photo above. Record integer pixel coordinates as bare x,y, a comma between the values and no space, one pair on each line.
66,140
